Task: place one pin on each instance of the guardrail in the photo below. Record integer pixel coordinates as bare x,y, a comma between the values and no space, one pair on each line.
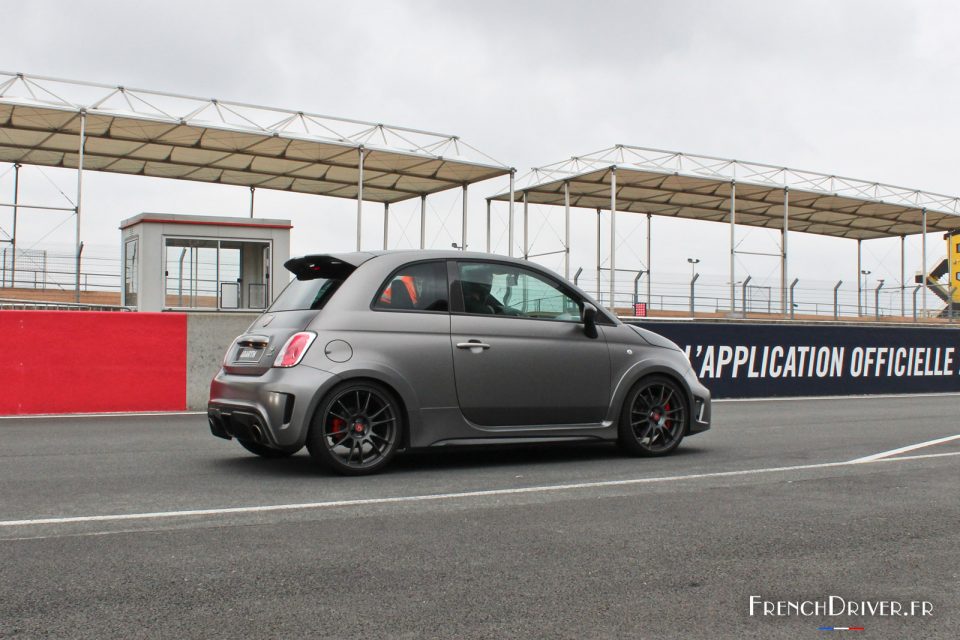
28,305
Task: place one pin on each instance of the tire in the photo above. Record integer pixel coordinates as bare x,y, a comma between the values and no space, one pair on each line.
357,429
655,417
266,452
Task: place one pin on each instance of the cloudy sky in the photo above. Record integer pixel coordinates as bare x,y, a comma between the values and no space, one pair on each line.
863,89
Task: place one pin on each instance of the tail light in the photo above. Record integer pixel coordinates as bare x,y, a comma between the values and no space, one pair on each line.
293,350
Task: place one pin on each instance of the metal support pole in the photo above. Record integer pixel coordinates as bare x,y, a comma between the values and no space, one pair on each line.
903,283
923,297
79,245
876,298
359,197
836,299
784,233
423,221
13,236
598,255
513,173
915,291
649,266
576,276
743,295
733,238
253,191
386,223
693,298
792,285
488,225
526,228
859,282
613,235
463,229
566,229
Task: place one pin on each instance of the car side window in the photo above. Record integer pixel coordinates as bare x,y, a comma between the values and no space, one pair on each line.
416,287
499,289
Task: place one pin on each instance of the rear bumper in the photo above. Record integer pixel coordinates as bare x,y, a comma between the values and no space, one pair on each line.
274,409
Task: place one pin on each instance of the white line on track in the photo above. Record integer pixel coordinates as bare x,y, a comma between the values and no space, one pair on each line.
110,414
911,447
448,496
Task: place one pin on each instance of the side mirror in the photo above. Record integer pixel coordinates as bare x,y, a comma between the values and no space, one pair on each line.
589,318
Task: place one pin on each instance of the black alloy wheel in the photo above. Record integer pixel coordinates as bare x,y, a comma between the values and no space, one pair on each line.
654,418
357,429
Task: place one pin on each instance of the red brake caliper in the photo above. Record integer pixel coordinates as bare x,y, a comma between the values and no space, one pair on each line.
667,422
336,426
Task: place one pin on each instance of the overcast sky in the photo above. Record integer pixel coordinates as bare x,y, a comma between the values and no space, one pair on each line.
863,89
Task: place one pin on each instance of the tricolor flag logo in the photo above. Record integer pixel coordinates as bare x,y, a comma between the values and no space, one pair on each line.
840,628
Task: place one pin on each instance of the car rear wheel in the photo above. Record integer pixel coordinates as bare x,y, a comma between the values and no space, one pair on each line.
265,451
654,417
357,429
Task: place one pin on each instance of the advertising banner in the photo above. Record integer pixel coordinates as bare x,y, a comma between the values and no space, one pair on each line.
744,360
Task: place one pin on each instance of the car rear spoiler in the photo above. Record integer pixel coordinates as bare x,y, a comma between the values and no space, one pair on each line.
335,266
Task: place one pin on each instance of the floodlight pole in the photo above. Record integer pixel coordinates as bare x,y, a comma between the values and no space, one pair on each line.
386,223
903,284
733,227
566,229
488,225
923,296
859,281
513,173
613,235
463,230
876,301
792,285
649,266
359,197
13,236
526,228
784,232
423,221
836,299
79,245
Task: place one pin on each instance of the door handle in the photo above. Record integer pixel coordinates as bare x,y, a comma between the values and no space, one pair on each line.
473,344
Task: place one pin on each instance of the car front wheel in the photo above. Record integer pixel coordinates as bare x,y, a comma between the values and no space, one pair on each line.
654,417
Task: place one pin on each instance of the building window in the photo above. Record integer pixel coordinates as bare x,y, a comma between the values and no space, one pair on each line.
131,272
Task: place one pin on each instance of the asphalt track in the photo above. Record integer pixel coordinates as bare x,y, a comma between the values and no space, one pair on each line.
146,526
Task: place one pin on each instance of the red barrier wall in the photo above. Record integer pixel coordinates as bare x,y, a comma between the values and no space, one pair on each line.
90,361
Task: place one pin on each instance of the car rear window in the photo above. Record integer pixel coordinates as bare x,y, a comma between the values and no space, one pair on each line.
304,295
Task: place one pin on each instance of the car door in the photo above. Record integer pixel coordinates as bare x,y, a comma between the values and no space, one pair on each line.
521,357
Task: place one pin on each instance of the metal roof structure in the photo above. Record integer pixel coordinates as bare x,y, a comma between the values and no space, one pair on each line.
681,185
633,179
88,126
141,132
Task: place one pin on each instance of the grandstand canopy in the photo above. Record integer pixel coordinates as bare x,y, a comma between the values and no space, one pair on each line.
140,132
679,185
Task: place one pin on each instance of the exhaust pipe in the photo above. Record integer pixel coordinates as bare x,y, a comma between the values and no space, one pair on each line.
256,433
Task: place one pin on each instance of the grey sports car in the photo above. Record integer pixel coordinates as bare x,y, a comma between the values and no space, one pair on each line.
366,354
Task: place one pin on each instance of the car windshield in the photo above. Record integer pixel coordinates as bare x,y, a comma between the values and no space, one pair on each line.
303,295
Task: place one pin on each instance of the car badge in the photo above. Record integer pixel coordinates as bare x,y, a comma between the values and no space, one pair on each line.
267,320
